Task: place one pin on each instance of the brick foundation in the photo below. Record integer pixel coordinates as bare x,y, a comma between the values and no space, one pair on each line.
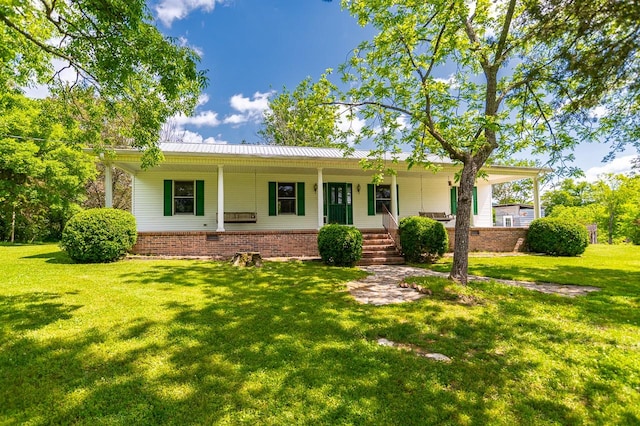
300,243
224,245
493,239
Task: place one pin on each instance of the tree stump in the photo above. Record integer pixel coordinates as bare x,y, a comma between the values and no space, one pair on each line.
247,258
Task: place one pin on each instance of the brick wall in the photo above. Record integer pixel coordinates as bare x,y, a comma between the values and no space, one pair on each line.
300,243
225,244
493,239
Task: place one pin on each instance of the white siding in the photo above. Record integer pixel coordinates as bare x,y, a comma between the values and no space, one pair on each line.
248,192
148,204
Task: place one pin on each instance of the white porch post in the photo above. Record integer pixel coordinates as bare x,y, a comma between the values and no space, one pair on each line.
220,199
108,186
537,213
320,199
394,197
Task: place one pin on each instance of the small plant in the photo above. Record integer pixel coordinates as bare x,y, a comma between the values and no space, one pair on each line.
422,239
340,245
99,235
557,237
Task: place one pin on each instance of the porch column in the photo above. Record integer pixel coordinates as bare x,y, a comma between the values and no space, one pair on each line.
108,186
537,213
220,199
394,197
320,193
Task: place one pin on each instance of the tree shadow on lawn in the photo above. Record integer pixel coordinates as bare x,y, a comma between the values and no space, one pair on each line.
617,302
54,256
31,311
282,344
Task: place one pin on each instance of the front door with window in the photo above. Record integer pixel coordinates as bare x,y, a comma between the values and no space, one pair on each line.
339,203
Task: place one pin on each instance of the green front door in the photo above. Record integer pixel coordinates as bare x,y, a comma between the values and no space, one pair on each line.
339,207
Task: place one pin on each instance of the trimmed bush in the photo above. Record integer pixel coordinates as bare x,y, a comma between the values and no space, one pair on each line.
340,245
557,237
422,239
99,235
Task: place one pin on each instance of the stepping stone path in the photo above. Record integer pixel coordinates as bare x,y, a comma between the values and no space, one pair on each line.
381,286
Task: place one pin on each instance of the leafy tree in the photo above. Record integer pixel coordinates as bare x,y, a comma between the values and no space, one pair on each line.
113,47
304,117
42,177
568,193
463,80
597,46
613,202
619,195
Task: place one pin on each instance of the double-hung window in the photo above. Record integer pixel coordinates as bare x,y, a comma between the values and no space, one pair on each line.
286,198
183,197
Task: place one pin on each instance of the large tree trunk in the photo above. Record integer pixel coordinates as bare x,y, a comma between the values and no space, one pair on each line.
463,223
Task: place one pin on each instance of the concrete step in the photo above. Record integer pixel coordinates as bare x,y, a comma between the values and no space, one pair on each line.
387,260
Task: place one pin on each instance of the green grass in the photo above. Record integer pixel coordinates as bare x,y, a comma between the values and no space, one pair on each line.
196,342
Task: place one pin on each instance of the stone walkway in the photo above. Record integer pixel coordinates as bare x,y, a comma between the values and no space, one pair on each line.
381,286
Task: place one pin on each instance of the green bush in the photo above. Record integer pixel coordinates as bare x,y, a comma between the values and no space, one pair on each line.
340,245
557,237
99,235
422,239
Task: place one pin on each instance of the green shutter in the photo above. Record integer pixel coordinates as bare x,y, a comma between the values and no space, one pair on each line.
371,199
324,197
350,205
168,197
475,200
273,202
199,198
300,196
398,199
454,200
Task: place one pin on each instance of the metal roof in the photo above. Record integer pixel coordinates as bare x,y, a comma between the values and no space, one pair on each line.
276,151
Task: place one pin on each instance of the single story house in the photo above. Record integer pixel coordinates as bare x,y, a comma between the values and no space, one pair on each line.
514,214
215,199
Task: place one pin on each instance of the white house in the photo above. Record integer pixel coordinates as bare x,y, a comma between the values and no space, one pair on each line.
214,200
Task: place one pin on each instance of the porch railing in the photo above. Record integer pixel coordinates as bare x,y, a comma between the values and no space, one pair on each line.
390,225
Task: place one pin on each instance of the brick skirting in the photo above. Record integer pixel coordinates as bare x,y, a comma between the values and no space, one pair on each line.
496,239
300,243
224,245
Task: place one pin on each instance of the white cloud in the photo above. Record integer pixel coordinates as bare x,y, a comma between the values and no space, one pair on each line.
204,118
347,123
617,166
171,10
194,137
185,43
203,99
249,109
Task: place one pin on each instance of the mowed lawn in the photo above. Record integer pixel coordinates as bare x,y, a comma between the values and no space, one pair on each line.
198,342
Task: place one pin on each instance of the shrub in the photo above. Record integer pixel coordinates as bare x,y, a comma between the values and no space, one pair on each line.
422,239
340,245
99,235
557,237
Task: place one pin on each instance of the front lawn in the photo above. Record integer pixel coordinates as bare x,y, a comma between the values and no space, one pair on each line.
197,342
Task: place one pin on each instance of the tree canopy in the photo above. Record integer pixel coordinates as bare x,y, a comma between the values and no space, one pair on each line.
305,117
42,177
110,45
